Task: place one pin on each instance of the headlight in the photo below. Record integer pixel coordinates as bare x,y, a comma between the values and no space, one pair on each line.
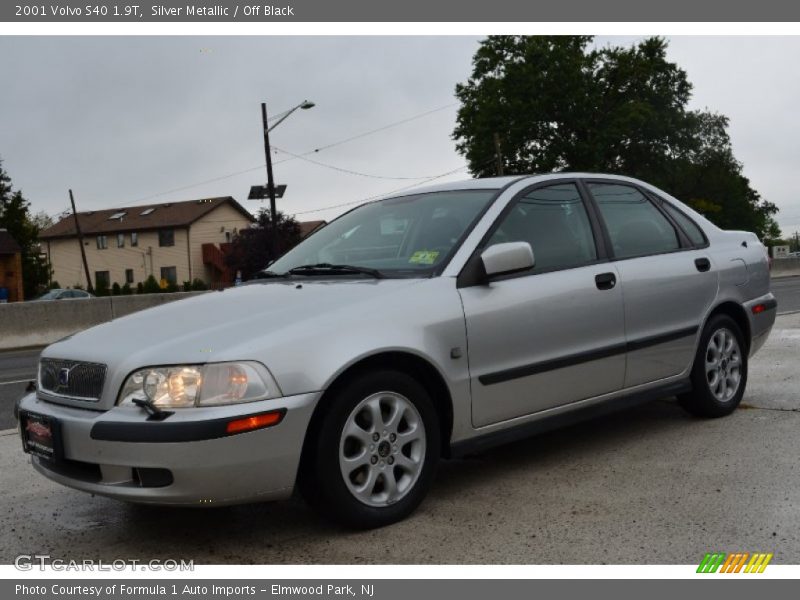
200,385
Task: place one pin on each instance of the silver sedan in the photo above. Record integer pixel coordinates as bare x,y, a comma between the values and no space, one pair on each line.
409,329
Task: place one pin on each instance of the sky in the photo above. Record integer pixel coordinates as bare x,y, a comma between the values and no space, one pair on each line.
125,121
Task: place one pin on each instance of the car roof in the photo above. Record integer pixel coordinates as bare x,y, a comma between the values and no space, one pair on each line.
496,183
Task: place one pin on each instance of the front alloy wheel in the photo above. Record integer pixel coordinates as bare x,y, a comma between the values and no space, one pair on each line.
371,452
382,449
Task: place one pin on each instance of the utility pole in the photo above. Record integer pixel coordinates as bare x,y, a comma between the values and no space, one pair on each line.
498,155
273,212
89,287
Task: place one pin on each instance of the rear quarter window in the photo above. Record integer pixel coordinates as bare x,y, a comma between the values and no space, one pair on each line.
690,228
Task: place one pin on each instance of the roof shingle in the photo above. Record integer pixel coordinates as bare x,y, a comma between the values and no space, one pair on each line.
140,218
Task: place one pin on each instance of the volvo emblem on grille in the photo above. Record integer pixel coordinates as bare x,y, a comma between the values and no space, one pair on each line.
63,377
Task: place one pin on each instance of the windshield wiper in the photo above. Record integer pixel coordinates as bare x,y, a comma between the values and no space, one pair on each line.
329,269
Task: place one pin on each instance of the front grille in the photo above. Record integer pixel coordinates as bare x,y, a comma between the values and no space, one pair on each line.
71,378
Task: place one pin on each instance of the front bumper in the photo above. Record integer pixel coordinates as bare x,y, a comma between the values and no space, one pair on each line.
152,465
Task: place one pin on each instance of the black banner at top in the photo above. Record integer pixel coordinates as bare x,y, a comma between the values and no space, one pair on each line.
178,11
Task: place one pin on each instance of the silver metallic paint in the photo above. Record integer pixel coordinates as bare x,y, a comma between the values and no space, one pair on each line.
309,335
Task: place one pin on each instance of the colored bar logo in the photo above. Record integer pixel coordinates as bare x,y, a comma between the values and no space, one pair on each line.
737,562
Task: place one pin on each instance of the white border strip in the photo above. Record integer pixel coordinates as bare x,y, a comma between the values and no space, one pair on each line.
365,572
637,29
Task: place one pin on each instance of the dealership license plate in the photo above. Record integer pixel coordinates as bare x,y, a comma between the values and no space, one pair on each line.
40,435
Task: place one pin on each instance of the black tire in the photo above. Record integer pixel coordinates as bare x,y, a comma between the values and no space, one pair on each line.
702,401
322,482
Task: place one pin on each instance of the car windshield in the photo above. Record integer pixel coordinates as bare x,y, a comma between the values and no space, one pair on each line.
405,236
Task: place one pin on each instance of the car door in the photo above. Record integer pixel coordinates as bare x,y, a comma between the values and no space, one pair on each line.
551,335
668,280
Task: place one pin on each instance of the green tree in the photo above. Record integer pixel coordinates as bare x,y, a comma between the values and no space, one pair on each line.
15,216
252,249
557,104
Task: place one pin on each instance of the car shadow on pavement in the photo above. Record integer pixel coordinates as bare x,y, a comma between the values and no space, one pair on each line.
277,526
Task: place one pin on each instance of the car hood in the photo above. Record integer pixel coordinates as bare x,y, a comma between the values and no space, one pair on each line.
238,323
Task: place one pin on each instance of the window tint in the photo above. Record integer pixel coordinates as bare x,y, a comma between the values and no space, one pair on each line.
554,222
691,229
635,225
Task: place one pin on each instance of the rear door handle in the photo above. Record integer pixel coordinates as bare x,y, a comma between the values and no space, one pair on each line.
605,281
702,264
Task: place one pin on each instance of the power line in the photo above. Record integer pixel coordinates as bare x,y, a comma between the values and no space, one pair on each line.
379,129
304,154
347,171
383,195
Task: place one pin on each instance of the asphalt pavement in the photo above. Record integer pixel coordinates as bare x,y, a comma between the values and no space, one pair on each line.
646,486
17,369
787,291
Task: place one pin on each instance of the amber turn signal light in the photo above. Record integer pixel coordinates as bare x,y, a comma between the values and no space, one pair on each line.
261,421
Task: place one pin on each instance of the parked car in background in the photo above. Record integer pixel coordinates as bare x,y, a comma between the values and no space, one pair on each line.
411,328
59,294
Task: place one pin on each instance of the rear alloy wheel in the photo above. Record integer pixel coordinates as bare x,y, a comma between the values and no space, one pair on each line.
375,453
719,373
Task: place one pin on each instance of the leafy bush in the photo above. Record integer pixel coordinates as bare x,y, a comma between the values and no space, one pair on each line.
151,286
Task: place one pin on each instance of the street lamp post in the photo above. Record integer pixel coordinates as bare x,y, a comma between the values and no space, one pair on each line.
305,105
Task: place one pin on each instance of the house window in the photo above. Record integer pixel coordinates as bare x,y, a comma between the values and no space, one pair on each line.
228,237
134,239
166,237
102,242
169,274
120,240
102,279
129,276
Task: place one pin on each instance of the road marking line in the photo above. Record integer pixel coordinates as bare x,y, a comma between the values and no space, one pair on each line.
17,381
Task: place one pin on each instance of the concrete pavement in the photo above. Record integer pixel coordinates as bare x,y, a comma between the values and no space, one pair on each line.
651,485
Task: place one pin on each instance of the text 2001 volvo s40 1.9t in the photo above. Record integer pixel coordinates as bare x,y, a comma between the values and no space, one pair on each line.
408,329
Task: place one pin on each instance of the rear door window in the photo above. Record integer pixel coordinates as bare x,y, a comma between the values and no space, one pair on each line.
636,227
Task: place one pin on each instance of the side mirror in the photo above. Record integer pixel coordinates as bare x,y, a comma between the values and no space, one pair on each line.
511,257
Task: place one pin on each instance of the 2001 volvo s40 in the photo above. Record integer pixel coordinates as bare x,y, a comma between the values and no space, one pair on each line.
408,329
